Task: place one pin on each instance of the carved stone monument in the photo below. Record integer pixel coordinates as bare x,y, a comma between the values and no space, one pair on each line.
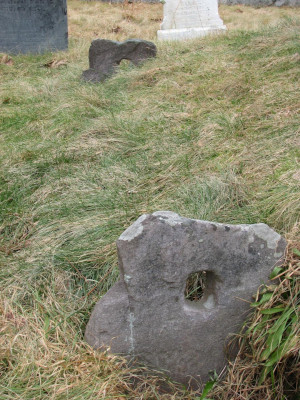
33,26
187,19
146,314
105,55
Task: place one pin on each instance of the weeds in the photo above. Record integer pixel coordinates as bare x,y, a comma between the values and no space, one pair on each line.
268,363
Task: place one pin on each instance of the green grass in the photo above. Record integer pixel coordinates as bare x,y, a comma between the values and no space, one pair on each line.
267,364
209,129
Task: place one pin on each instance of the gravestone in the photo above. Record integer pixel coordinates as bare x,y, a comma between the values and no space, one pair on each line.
187,19
146,314
33,26
105,55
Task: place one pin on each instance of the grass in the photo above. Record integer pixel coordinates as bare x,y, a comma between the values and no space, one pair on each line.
267,365
209,129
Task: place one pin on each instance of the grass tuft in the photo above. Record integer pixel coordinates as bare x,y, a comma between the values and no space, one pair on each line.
268,363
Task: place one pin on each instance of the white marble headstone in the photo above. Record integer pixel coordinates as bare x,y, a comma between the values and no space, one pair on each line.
187,19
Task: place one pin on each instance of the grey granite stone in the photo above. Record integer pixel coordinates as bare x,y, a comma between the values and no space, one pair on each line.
106,55
146,314
33,26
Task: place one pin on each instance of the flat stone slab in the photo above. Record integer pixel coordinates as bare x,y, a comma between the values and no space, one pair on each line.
105,55
146,314
33,26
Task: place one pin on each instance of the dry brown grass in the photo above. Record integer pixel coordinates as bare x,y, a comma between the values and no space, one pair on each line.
51,367
93,19
242,17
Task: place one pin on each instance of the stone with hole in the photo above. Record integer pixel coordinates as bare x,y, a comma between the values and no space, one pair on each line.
106,55
147,314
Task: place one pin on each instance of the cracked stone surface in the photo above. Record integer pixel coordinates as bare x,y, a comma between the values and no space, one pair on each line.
146,315
105,55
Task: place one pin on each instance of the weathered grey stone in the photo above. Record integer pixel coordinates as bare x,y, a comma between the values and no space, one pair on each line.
146,315
33,26
106,55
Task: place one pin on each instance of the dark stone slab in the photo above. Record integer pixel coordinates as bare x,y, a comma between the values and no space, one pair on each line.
146,314
106,55
33,26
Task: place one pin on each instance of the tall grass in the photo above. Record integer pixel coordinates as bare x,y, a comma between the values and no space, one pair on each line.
209,129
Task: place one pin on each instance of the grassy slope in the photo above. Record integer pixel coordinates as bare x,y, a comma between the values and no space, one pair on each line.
208,129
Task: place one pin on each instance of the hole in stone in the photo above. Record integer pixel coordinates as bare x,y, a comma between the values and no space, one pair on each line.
125,64
195,286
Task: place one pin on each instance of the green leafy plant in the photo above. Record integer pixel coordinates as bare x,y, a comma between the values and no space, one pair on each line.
267,366
208,387
280,338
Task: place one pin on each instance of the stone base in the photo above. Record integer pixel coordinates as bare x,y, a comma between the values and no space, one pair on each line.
188,33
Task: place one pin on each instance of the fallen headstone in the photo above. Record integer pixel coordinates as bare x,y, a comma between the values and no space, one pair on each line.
33,26
146,314
188,19
105,55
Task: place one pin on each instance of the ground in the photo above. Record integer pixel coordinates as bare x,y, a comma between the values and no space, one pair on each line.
208,129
